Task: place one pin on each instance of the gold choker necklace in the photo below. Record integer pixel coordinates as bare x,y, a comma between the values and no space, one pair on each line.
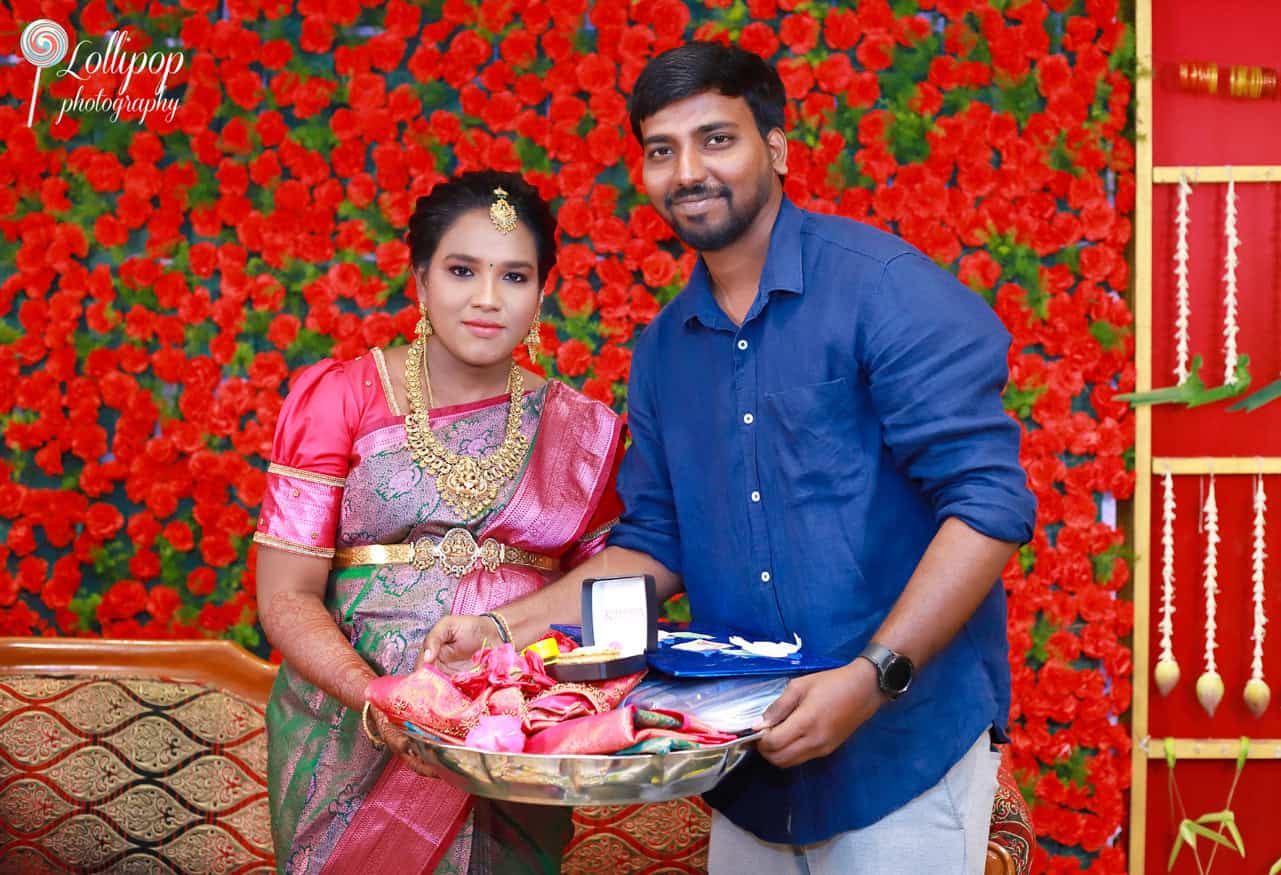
467,484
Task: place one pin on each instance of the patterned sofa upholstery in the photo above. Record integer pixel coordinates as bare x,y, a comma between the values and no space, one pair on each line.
133,757
151,757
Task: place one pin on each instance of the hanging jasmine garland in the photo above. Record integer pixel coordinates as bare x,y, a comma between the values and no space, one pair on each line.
1209,687
1230,328
1167,667
1183,307
1257,693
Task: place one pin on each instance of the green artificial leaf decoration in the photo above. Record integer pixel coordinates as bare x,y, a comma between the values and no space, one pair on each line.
1208,833
1251,403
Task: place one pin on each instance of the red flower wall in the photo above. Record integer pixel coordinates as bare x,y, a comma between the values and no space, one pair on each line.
160,281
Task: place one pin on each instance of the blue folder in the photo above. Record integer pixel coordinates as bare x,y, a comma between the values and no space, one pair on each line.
720,664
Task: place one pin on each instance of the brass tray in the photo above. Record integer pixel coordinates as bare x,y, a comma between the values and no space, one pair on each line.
545,779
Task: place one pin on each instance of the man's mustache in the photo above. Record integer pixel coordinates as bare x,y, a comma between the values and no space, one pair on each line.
694,193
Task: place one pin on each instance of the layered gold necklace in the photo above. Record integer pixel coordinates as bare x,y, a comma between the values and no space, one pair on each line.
467,484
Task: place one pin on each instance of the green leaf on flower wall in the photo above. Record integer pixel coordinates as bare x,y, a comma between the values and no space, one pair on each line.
1041,632
1019,99
309,346
86,610
244,634
1109,336
907,136
1019,401
1027,558
1074,768
1125,55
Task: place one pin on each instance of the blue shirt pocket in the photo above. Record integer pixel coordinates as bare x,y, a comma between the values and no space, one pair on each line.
813,437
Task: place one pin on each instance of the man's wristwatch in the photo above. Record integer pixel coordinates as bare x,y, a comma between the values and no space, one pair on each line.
894,671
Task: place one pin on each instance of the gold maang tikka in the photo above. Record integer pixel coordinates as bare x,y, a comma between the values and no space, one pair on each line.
502,213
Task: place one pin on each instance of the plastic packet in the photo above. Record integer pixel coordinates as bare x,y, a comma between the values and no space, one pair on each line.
730,704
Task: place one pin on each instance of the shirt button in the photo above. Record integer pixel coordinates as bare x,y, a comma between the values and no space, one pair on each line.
764,577
756,496
742,344
748,418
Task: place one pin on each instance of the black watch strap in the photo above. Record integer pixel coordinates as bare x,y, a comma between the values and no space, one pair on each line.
894,671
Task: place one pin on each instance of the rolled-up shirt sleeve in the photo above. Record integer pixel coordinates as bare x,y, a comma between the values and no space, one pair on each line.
648,521
935,356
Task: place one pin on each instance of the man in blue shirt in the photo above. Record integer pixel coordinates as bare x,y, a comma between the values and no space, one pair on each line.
819,448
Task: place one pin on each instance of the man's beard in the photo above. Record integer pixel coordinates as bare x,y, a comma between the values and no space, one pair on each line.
707,237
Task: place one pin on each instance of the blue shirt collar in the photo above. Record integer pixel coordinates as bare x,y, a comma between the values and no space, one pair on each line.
782,272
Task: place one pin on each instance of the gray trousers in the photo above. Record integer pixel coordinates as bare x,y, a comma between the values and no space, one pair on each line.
943,831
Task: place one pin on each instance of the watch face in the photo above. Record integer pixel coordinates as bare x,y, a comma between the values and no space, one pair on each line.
898,675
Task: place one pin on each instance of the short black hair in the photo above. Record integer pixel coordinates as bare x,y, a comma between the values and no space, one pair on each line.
436,212
698,67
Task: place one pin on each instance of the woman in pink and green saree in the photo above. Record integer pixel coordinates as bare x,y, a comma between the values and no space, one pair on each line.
406,485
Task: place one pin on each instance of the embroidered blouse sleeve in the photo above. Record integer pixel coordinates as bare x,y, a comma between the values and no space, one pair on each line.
309,461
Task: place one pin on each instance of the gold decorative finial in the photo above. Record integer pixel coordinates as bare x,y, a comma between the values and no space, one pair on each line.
502,213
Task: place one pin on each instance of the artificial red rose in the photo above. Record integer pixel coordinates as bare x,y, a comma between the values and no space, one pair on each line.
519,48
124,599
876,50
599,389
573,358
103,521
53,194
658,269
574,217
759,38
605,144
799,32
841,29
161,603
797,76
499,112
575,260
594,73
613,363
576,298
21,539
179,536
835,73
109,231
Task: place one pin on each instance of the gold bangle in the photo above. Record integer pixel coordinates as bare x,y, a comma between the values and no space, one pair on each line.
378,743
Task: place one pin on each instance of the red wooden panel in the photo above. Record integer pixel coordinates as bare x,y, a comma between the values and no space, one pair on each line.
1200,129
1191,129
1179,714
1211,430
1204,785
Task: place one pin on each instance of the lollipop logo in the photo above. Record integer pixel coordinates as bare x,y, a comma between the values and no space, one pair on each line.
44,43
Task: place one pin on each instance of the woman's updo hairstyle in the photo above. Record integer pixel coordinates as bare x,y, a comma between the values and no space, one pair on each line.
436,212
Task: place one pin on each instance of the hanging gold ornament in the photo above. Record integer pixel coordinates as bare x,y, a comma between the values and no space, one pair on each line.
502,213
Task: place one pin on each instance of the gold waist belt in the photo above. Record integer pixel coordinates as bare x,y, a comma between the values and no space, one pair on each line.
457,552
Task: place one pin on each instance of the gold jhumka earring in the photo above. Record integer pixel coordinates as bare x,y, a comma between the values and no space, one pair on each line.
534,339
423,328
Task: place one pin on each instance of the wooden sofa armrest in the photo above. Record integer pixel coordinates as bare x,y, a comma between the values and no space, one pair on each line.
221,664
999,861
